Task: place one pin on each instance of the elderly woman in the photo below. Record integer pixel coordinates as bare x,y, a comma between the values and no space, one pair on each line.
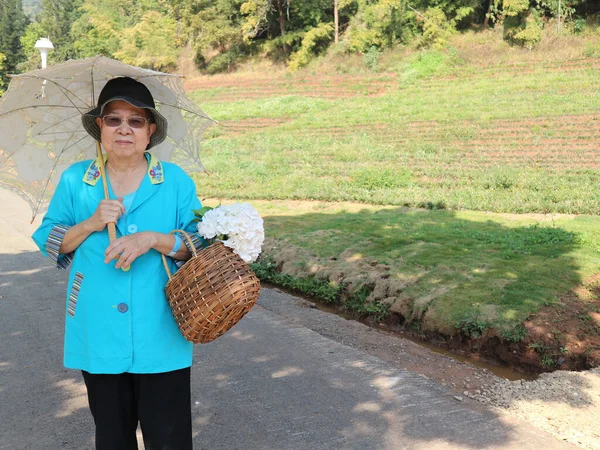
119,328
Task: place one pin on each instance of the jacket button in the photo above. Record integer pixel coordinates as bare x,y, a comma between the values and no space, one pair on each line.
132,228
122,307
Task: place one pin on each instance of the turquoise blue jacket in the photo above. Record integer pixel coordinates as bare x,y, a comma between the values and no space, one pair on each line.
120,321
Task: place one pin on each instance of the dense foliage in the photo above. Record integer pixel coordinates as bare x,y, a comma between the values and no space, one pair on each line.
223,33
12,26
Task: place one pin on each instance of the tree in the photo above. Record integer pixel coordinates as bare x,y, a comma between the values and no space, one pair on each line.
97,31
488,14
336,24
459,12
151,43
284,22
2,73
280,5
13,23
377,24
56,19
521,23
137,32
32,58
214,30
319,34
31,8
216,25
256,17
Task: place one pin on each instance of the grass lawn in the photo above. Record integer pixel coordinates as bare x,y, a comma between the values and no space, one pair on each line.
460,196
503,139
446,271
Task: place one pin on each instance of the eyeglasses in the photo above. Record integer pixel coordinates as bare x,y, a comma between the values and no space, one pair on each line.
116,121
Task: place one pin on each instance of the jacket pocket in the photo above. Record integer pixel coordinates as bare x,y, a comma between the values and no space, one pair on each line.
72,306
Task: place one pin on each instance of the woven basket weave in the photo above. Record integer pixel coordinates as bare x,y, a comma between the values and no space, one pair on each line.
211,292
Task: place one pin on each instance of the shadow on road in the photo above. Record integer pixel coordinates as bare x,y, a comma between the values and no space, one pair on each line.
43,404
267,384
289,384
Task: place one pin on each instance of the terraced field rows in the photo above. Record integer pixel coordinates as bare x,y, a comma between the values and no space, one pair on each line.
322,87
544,142
515,138
230,89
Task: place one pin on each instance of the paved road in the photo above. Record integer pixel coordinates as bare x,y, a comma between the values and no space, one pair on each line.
267,384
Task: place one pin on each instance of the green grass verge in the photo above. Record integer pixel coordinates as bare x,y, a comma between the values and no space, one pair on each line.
322,290
460,271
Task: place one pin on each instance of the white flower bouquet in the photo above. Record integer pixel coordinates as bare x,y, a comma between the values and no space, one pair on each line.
238,226
214,289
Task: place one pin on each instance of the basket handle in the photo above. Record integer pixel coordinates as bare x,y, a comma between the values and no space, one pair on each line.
189,241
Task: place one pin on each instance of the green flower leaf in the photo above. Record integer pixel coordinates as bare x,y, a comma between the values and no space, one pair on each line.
199,213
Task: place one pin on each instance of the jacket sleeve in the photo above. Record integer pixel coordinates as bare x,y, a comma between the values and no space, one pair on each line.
59,218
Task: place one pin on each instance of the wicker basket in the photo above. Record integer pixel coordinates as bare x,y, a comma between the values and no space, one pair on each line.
211,292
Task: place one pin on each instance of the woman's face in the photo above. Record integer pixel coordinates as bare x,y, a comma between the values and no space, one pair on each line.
124,141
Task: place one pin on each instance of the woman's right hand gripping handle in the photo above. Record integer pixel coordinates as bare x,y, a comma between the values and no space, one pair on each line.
108,211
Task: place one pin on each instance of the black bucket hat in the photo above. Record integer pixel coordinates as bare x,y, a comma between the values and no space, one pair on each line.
132,92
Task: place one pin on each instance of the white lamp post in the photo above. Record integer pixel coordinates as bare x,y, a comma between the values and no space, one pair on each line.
44,46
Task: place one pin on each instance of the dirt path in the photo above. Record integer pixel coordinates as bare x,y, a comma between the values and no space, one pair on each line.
565,404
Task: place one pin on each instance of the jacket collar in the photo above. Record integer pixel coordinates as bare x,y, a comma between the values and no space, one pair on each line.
148,187
155,170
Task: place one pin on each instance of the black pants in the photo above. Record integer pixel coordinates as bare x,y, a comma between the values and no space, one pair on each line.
161,403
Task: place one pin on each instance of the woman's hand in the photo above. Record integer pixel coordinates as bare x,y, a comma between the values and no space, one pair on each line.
127,248
108,211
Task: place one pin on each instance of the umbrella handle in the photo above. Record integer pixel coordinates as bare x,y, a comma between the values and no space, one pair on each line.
112,231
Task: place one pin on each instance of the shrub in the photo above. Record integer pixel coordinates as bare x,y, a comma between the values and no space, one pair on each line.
376,24
437,29
314,42
224,62
371,58
579,26
592,51
220,63
523,29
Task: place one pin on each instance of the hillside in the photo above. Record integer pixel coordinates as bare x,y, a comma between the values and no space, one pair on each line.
431,129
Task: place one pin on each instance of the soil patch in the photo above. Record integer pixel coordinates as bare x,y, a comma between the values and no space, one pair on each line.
567,334
563,336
